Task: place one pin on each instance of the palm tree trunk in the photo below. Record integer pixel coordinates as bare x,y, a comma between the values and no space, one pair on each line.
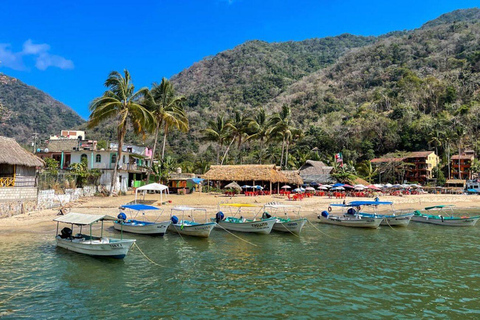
121,136
154,149
164,140
286,155
228,148
283,148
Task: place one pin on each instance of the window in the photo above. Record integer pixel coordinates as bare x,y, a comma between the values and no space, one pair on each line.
98,158
83,158
114,158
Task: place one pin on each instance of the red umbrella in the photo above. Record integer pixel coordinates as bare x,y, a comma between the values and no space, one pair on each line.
373,187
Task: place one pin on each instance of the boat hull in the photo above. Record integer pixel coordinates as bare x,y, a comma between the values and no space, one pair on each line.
372,223
455,222
261,226
392,220
202,230
112,248
293,226
157,228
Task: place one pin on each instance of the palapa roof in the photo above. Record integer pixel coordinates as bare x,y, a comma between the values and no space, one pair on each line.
293,177
247,172
12,153
312,167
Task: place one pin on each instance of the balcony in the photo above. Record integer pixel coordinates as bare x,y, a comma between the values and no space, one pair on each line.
7,182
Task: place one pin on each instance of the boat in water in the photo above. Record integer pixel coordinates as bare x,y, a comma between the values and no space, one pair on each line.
237,222
445,217
87,243
190,227
350,218
393,220
140,226
283,221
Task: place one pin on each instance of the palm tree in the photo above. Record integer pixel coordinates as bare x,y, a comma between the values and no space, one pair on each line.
168,111
216,132
258,128
122,103
280,128
237,129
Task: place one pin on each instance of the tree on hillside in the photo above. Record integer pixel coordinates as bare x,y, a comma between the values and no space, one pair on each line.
281,129
237,129
216,132
122,103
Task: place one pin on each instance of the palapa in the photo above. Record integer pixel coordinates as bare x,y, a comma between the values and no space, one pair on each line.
233,185
247,172
293,177
13,154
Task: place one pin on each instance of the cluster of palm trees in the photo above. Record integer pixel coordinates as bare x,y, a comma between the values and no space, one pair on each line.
245,128
144,111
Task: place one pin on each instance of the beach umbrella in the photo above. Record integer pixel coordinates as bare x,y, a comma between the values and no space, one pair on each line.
258,187
327,186
359,188
302,189
347,186
310,188
297,190
388,185
373,187
378,185
196,180
314,184
233,185
323,188
338,188
338,185
396,186
286,187
246,186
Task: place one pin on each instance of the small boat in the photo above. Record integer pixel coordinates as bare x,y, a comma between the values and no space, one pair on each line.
444,218
393,220
190,227
240,224
89,244
140,226
285,223
350,219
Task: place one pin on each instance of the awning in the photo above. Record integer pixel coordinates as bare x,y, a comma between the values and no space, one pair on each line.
196,180
139,207
82,219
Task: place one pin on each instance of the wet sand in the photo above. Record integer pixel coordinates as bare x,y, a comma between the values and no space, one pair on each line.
41,221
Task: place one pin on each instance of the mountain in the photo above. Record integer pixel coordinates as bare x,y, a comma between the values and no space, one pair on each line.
461,15
30,110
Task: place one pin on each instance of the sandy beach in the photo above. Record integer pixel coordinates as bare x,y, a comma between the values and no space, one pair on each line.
41,221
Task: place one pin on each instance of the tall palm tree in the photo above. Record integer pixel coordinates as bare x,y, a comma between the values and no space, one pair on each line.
258,128
122,103
168,111
237,129
280,128
216,132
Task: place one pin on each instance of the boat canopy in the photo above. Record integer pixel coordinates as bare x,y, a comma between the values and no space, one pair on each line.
238,205
369,203
82,219
279,205
440,206
185,208
139,207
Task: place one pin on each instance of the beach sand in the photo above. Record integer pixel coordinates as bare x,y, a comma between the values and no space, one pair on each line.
41,221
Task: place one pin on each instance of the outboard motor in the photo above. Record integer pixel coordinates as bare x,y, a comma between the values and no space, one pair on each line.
351,211
66,233
174,219
219,216
325,214
266,215
122,216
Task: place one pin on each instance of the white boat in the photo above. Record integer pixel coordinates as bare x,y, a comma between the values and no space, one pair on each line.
396,219
445,218
240,224
89,244
350,219
284,223
140,226
190,227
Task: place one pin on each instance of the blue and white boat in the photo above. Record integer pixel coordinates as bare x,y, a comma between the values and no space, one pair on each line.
350,218
445,217
393,220
141,226
238,223
288,221
190,227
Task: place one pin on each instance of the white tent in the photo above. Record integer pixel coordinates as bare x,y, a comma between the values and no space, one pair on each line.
152,187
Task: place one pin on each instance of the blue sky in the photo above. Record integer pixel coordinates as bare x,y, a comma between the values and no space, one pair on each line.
68,48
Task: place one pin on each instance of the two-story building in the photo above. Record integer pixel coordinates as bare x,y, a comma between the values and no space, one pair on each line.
460,166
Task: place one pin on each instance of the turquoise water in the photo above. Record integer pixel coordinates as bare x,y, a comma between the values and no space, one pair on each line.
421,271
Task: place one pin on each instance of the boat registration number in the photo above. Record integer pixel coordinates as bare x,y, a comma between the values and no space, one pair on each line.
260,225
116,245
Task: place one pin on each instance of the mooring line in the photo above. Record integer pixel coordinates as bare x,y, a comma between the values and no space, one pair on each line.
146,257
321,231
16,294
296,235
253,244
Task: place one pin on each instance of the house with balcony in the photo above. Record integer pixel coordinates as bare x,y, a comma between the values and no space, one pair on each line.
460,166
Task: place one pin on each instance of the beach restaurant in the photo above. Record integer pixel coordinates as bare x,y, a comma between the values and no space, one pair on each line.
268,176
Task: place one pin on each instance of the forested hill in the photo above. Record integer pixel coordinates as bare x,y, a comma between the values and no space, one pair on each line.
27,110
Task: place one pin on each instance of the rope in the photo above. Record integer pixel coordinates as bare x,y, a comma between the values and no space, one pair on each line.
389,224
146,257
253,244
321,231
296,235
21,291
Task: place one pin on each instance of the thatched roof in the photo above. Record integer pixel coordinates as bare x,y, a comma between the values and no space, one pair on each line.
233,185
248,172
12,153
316,171
293,177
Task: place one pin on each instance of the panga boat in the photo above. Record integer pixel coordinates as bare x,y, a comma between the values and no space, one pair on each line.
234,223
140,226
285,223
89,244
350,219
190,227
393,220
444,218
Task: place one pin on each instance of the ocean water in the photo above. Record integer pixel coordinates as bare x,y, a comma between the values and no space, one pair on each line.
421,271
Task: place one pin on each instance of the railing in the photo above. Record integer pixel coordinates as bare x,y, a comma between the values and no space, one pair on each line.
7,182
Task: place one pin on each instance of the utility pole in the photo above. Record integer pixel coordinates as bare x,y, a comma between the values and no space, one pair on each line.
35,134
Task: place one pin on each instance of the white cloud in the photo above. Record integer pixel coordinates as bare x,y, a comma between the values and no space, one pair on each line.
40,52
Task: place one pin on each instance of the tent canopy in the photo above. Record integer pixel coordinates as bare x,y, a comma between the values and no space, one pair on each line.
153,187
82,219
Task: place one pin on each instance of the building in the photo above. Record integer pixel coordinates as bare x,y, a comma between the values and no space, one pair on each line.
418,166
316,171
18,177
69,134
460,166
179,181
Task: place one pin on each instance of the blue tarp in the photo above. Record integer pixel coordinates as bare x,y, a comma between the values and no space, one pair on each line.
139,207
196,180
338,185
472,190
369,203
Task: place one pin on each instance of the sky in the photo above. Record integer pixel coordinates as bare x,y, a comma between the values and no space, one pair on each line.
68,48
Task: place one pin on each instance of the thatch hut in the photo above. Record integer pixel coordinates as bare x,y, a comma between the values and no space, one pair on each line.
18,167
264,175
293,177
316,171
